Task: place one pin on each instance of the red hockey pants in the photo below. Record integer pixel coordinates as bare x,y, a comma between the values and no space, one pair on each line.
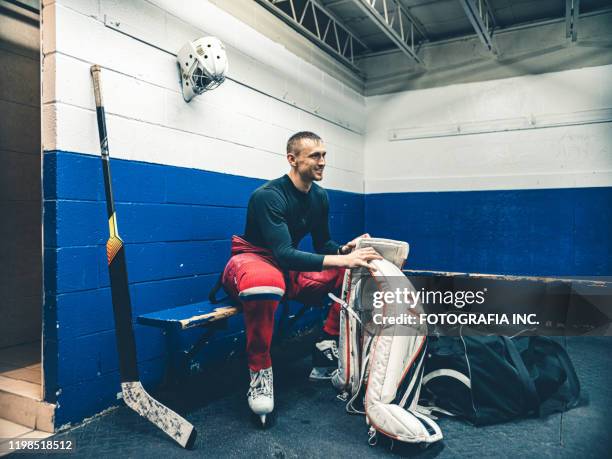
253,277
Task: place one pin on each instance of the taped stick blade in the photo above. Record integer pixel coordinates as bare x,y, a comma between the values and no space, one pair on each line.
174,425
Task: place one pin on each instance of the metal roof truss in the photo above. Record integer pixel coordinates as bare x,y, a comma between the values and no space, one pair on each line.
481,16
320,25
396,23
572,10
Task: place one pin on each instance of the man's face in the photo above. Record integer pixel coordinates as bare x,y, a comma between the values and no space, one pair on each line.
310,161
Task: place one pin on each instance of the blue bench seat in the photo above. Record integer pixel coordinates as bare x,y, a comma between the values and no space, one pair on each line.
190,315
213,319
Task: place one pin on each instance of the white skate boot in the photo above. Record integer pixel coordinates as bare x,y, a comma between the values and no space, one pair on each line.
261,393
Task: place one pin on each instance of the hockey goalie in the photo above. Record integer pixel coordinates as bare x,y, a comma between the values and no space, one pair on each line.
382,350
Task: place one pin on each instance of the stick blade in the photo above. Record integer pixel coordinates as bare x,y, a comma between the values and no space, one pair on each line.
175,426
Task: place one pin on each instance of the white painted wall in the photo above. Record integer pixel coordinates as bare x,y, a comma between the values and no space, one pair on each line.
556,157
240,128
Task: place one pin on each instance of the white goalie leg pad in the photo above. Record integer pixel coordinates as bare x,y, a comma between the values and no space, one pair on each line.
137,398
396,367
395,252
347,378
387,377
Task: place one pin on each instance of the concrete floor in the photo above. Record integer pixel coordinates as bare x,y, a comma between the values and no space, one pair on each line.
311,422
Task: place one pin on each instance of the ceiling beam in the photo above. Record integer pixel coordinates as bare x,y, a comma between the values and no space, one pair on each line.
326,29
336,3
481,16
396,23
572,12
419,26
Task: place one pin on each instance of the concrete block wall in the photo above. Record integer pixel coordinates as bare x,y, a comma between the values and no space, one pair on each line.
519,202
20,195
182,173
534,201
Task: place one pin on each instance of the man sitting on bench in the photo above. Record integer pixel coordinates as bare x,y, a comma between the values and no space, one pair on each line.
266,264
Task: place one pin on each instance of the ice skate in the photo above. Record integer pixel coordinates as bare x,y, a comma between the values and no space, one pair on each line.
261,394
324,360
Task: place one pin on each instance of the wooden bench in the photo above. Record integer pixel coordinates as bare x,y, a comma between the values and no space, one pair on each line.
190,315
210,317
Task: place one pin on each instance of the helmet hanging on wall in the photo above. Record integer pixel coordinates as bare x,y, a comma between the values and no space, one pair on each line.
203,65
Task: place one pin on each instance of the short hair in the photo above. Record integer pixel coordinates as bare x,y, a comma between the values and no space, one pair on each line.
296,138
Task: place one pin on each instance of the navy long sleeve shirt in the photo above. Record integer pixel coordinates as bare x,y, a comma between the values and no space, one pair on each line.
279,216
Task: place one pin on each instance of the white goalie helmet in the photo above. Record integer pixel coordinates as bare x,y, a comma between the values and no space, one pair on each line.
203,65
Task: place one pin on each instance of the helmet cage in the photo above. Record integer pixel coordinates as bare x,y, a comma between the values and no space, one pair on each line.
202,81
203,65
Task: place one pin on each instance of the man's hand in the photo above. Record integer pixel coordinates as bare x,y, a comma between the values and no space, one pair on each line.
361,257
350,246
356,259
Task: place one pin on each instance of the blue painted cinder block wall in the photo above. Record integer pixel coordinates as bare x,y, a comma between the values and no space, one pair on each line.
547,232
176,223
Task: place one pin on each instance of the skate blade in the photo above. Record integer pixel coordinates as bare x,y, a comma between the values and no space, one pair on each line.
321,374
263,421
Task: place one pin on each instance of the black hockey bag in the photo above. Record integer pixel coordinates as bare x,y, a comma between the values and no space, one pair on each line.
493,379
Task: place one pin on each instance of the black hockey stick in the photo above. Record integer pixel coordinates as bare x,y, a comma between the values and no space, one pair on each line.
134,394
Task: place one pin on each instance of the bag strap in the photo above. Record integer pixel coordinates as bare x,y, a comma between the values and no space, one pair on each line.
532,398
